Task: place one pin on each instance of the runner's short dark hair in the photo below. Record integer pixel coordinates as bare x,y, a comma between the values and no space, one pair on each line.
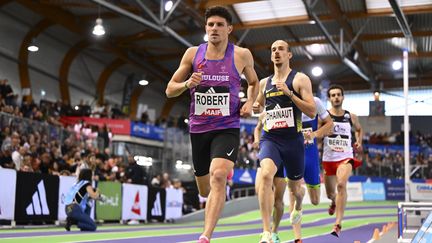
218,11
335,86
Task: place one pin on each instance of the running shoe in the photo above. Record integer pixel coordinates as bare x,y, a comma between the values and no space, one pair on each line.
266,237
332,208
203,239
68,223
296,216
336,230
275,238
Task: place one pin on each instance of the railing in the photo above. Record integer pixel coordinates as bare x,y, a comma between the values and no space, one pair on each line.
243,192
25,126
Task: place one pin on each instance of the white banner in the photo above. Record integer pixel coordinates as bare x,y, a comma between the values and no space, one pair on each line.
134,204
354,191
174,203
7,193
420,192
66,182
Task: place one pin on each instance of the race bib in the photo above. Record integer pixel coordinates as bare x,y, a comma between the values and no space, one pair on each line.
339,144
280,118
305,131
211,102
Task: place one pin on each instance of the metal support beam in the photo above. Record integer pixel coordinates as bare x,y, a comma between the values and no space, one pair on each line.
242,37
400,17
148,11
130,15
355,38
141,20
297,40
165,20
334,7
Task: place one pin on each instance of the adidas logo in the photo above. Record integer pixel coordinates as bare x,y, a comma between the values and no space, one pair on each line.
211,91
277,107
39,205
136,206
157,207
246,177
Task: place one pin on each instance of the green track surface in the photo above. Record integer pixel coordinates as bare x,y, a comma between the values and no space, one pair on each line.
60,235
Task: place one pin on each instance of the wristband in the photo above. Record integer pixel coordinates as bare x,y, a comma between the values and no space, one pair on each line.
186,85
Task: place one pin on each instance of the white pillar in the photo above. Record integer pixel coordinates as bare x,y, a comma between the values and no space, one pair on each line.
406,125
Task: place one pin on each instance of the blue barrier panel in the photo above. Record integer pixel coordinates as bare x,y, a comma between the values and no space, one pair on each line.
244,176
373,191
395,190
147,131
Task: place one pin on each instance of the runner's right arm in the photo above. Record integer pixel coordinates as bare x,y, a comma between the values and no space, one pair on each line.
177,85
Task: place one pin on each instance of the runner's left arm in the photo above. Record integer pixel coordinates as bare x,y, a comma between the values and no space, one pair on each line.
253,84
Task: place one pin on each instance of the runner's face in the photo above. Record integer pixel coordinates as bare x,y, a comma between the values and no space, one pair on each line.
280,53
336,97
217,29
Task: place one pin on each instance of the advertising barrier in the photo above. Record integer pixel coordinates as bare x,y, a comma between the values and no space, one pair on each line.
395,189
174,203
134,200
244,176
354,191
66,182
7,193
156,204
147,131
116,126
373,191
36,197
111,208
420,192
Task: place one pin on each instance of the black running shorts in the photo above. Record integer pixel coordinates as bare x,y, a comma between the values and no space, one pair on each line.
213,144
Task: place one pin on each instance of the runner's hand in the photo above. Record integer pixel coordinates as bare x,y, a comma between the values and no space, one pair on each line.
246,110
256,108
194,80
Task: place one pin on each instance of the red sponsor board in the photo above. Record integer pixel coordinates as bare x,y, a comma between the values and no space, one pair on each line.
116,126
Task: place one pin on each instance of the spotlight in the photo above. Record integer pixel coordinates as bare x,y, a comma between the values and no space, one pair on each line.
168,5
241,94
32,46
317,71
205,37
397,65
98,29
143,82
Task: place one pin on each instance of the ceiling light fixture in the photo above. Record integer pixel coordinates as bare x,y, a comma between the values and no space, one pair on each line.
98,29
168,5
397,65
317,71
32,46
143,82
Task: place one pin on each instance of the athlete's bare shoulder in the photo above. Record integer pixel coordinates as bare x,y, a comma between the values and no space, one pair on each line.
243,52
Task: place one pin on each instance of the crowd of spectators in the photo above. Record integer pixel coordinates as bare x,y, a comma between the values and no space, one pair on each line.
33,139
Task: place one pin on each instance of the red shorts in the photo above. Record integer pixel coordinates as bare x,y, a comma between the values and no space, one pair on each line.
330,168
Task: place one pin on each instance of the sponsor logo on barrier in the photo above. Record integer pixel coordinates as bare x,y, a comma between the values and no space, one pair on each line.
136,206
111,201
373,191
246,177
39,205
157,206
377,191
424,188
